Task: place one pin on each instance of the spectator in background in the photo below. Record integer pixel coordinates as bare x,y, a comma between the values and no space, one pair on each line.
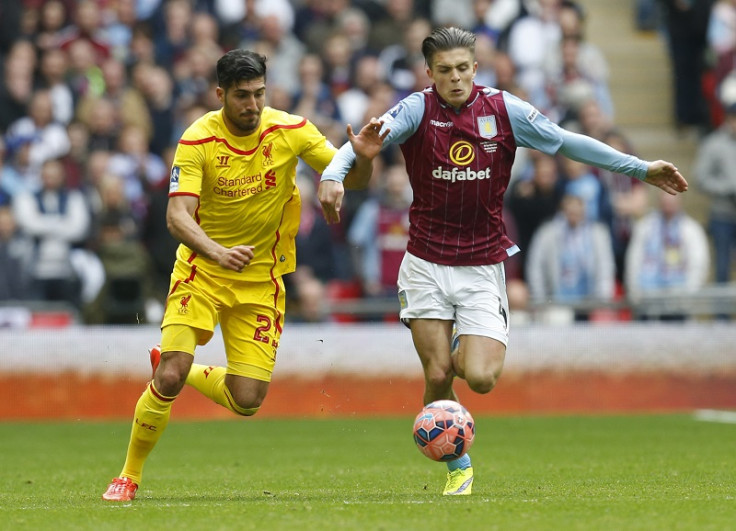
76,159
390,29
284,51
721,38
353,103
117,30
53,77
95,169
715,171
356,25
489,21
505,72
581,181
686,27
239,21
141,170
398,59
315,247
571,79
17,173
11,181
628,198
160,245
534,200
530,38
588,118
486,51
379,233
192,75
172,43
16,257
668,253
337,55
84,75
310,302
10,25
58,219
48,139
87,27
53,18
204,32
103,123
157,88
571,259
142,48
460,13
16,84
576,60
314,100
128,101
317,19
126,263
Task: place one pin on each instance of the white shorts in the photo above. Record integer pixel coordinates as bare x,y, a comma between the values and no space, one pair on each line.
472,296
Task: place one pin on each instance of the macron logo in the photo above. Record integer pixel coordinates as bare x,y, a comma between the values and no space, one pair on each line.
440,124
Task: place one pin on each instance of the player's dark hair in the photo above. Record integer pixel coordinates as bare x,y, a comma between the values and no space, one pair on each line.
443,39
237,65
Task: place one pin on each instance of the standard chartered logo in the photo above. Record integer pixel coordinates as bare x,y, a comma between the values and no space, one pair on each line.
462,153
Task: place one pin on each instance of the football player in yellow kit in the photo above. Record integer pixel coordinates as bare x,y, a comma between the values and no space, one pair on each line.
234,206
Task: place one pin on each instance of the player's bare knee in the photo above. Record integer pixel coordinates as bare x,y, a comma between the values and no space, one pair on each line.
438,378
246,404
169,380
482,383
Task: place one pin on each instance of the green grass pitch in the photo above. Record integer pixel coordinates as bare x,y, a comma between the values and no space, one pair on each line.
558,473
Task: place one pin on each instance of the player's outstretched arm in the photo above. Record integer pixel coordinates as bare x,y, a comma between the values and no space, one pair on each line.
366,145
666,176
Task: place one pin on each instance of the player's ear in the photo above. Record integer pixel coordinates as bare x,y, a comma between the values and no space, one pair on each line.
220,92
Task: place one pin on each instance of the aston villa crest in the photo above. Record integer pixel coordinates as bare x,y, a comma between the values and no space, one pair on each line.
487,126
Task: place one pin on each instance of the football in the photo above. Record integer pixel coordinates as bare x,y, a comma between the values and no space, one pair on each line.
444,430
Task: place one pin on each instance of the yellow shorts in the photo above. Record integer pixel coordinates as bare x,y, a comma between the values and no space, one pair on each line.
250,314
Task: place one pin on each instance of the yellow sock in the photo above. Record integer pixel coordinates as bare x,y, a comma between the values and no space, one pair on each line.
152,414
210,381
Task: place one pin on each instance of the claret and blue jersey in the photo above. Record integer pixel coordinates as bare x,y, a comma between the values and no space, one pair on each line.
459,163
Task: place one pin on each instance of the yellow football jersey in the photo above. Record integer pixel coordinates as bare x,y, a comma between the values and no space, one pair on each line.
247,187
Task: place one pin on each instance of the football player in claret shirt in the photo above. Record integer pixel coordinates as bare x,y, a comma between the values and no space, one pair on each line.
234,206
459,140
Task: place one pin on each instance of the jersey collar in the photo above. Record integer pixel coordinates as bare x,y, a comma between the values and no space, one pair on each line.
475,93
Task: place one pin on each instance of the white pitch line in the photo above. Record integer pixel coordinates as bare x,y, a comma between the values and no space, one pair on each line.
714,415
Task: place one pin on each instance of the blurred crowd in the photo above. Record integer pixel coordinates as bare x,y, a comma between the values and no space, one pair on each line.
94,95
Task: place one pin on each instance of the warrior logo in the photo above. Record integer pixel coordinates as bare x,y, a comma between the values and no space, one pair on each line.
267,155
184,304
222,161
462,153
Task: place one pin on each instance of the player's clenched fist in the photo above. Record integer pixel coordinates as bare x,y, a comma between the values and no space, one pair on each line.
236,258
